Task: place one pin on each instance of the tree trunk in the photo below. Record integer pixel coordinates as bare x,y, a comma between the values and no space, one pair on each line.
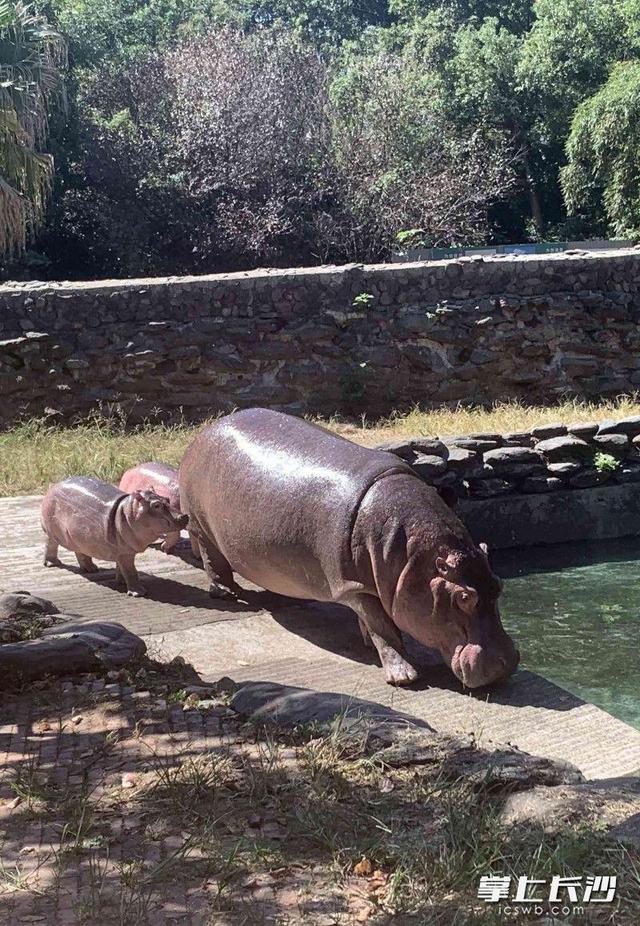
534,202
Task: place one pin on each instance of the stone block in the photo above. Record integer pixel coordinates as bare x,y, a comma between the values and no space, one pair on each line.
460,459
517,439
558,449
408,448
584,430
545,431
478,445
516,470
628,473
612,442
505,456
541,484
629,426
567,468
487,488
427,465
589,478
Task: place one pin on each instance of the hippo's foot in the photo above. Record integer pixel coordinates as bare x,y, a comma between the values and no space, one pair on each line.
221,592
397,671
170,541
52,561
138,592
400,673
89,568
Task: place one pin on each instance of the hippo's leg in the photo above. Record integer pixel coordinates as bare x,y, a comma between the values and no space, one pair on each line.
170,541
219,571
364,630
126,572
385,637
195,546
86,563
51,553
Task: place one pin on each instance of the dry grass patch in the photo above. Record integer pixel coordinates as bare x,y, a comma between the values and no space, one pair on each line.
498,419
36,453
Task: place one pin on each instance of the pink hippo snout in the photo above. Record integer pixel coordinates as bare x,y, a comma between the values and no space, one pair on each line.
476,665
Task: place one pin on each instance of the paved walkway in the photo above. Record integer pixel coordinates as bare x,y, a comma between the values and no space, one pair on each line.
271,638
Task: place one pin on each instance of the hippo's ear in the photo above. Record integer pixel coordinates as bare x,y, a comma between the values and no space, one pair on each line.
139,501
441,565
466,599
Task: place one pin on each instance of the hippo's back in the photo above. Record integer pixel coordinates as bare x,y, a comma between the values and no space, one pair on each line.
160,477
80,506
279,496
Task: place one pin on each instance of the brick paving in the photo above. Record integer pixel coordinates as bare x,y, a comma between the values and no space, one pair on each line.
98,781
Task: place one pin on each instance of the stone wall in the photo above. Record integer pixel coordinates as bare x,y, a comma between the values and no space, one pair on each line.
471,329
553,484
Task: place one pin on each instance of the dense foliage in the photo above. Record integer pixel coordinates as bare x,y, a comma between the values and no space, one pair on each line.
30,53
204,135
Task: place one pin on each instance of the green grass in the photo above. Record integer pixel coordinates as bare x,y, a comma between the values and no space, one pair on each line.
35,453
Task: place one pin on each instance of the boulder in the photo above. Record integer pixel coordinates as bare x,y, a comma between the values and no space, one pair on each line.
24,605
76,646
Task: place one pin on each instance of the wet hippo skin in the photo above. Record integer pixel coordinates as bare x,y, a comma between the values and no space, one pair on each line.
94,519
305,513
163,480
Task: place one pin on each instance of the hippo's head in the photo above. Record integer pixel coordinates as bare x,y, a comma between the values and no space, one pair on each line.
174,498
151,510
464,623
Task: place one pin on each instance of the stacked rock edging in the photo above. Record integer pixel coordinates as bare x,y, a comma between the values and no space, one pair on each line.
546,459
470,330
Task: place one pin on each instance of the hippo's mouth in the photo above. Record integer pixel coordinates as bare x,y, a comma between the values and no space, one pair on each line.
476,666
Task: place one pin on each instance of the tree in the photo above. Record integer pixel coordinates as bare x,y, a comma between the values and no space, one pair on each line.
403,165
252,143
603,153
31,54
567,55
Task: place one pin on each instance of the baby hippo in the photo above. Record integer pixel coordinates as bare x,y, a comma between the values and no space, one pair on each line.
94,519
162,479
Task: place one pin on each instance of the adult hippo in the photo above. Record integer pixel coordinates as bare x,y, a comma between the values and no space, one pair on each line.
305,513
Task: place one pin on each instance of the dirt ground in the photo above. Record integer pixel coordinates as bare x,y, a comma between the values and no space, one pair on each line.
144,798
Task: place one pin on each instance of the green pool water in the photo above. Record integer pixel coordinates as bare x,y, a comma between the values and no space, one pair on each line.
575,613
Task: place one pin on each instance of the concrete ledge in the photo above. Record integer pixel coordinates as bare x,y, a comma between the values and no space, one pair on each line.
559,517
